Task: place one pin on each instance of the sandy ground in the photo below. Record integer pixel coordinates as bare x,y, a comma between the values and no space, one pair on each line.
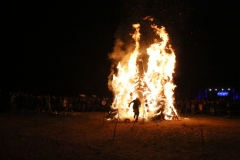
37,135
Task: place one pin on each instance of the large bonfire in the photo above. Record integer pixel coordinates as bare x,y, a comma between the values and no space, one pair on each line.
147,75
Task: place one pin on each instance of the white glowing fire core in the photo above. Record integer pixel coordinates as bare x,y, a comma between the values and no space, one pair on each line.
153,85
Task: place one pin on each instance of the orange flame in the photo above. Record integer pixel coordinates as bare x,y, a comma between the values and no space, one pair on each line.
152,84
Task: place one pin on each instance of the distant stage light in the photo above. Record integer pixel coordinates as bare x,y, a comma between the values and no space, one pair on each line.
222,94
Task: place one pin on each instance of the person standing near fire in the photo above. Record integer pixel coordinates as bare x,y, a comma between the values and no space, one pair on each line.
64,103
136,104
103,104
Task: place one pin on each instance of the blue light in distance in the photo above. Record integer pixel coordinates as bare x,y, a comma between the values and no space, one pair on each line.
223,93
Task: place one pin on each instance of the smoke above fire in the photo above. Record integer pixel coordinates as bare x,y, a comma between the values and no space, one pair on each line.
144,72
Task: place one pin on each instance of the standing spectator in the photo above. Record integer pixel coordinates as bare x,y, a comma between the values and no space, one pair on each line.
217,107
212,108
229,114
200,106
60,104
103,104
84,104
54,103
12,101
64,103
192,107
182,107
188,106
74,104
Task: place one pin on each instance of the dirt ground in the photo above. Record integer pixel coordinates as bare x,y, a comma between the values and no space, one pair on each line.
88,135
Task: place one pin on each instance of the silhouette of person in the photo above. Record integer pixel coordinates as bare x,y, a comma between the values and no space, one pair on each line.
136,104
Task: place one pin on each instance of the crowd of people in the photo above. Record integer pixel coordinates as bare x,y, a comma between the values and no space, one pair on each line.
83,103
217,107
80,103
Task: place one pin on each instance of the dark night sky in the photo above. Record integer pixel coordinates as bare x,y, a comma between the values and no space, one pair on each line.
63,47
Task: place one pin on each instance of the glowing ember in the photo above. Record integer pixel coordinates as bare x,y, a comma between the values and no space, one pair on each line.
145,75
